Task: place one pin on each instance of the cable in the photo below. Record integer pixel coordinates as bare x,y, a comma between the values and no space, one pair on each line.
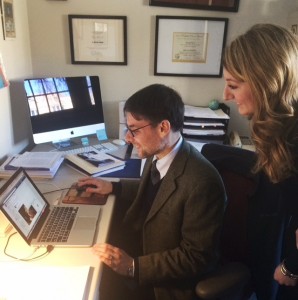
66,188
49,249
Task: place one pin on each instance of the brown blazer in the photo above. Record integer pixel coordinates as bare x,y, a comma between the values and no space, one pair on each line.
181,232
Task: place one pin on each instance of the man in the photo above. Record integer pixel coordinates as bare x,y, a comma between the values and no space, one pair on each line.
171,228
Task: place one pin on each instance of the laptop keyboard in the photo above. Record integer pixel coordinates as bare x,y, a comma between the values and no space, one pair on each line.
59,224
103,147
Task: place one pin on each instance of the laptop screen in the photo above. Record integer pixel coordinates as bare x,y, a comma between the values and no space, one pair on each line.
23,204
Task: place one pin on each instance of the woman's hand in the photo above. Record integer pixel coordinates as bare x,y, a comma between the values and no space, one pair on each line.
96,185
282,279
115,258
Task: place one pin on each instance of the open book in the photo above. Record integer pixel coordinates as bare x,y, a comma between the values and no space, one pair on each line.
94,163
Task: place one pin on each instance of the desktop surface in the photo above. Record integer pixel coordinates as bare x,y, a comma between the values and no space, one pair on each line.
63,257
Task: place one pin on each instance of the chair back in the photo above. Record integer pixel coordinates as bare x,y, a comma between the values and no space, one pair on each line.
231,280
234,167
234,241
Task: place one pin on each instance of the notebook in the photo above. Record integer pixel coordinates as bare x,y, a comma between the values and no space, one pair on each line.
29,212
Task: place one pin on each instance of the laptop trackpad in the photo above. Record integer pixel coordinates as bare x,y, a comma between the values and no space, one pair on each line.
85,223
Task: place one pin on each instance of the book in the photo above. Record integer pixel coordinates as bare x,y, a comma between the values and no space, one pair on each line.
93,163
34,173
74,195
84,172
42,161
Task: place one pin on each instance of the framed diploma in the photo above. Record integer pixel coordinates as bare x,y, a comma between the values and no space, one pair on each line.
98,39
223,5
189,46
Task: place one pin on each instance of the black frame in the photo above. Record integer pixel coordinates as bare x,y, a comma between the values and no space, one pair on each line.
195,4
74,60
174,68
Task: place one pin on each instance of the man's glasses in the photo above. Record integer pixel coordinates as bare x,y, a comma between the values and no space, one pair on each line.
133,132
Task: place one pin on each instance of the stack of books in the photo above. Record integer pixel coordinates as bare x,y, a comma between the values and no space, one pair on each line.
37,164
201,124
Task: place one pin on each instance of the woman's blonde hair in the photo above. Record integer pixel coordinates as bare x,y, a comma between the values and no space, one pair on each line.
266,57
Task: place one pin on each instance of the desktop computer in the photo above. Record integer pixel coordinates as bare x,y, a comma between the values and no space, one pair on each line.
63,108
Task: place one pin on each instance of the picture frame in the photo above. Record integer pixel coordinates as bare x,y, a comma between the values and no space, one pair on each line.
221,5
98,39
189,46
8,21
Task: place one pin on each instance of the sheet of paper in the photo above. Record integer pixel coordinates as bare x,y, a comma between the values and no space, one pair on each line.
203,132
35,282
199,112
204,124
204,112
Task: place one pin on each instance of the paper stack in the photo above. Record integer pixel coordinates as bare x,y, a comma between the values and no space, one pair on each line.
201,124
37,164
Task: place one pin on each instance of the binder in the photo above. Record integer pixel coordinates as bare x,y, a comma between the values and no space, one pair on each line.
132,169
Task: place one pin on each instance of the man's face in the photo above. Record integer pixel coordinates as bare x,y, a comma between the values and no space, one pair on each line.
146,139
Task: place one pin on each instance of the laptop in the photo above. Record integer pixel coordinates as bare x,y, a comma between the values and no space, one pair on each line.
29,212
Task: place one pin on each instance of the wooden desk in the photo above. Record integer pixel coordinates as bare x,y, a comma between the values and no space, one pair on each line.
64,256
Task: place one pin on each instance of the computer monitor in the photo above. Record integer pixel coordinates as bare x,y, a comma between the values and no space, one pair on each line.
62,108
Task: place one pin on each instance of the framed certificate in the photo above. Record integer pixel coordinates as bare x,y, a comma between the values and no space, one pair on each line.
98,39
223,5
189,46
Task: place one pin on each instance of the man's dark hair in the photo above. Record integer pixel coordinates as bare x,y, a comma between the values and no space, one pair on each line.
156,103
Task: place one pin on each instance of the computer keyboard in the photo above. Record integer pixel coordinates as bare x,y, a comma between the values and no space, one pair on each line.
103,147
57,228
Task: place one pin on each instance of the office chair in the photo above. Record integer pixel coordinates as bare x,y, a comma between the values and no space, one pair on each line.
231,279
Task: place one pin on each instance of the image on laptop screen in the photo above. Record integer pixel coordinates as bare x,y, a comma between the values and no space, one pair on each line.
23,204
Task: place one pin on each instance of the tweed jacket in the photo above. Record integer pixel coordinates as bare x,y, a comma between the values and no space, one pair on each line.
180,234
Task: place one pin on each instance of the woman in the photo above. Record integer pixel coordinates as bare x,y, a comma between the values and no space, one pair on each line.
261,75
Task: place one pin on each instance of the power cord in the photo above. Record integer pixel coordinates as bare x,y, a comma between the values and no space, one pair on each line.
58,190
61,196
49,249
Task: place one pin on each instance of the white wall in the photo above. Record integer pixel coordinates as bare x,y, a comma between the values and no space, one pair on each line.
50,55
17,60
51,52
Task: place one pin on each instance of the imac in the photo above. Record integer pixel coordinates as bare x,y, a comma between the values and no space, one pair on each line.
62,108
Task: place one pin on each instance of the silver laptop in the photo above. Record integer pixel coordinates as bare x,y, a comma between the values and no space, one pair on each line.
31,215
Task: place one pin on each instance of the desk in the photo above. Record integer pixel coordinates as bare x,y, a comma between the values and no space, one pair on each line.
65,256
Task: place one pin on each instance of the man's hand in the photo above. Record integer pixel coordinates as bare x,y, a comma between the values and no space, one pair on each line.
99,186
115,258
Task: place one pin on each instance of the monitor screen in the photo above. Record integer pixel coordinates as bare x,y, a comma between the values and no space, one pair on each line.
62,108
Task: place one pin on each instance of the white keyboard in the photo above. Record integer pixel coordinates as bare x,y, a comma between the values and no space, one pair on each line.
103,147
